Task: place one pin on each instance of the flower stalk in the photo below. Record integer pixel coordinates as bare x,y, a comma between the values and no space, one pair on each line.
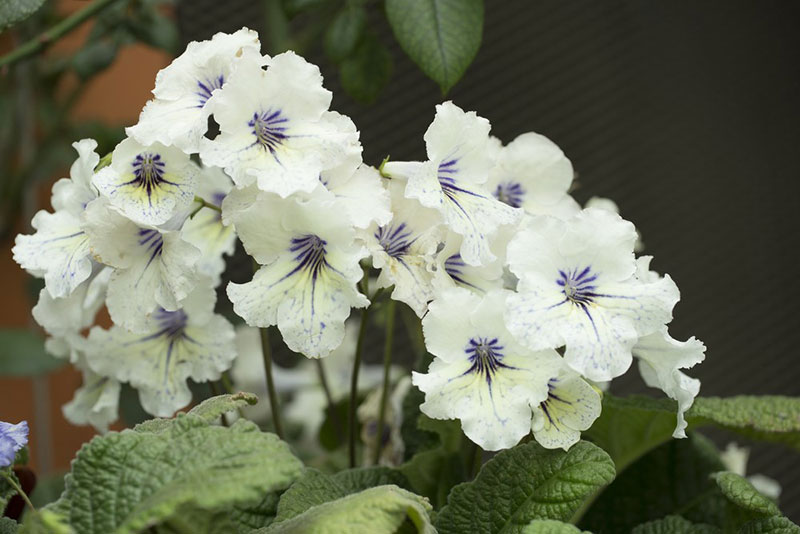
387,364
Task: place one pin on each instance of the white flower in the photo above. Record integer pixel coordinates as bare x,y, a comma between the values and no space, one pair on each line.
178,115
391,439
481,375
572,405
307,284
153,268
192,342
59,250
532,173
609,205
451,270
95,403
578,287
148,184
404,247
453,180
275,129
205,230
660,360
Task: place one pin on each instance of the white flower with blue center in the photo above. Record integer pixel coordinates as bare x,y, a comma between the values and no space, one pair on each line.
404,248
481,375
578,287
310,266
571,406
12,439
451,270
532,173
59,250
205,230
453,180
178,116
153,267
661,359
189,343
148,184
275,127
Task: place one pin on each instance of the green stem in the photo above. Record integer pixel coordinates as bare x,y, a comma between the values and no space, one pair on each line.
203,204
46,38
351,417
387,364
333,413
266,351
13,481
476,460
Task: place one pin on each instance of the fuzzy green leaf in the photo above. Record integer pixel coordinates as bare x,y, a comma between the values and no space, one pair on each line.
8,526
441,36
14,11
380,510
770,525
525,483
7,491
740,492
124,482
675,524
549,526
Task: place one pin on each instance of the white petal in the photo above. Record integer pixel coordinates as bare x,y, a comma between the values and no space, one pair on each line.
71,314
58,251
95,403
571,407
660,358
361,193
452,270
148,184
73,193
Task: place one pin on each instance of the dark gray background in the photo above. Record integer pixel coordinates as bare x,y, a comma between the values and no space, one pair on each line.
684,113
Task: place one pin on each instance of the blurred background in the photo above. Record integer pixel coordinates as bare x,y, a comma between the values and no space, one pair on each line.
684,113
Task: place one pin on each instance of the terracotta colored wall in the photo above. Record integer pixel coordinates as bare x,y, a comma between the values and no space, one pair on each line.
115,96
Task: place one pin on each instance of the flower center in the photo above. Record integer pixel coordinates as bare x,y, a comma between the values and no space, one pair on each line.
510,193
153,241
207,87
486,356
550,404
171,323
454,266
269,129
310,251
395,240
578,286
148,171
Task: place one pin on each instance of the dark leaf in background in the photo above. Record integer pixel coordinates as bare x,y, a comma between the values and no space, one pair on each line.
95,57
365,73
22,354
344,32
14,11
295,7
441,36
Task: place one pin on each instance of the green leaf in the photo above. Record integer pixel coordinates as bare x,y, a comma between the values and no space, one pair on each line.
295,7
8,526
14,11
361,478
7,491
210,410
95,57
525,483
548,526
440,36
45,522
258,516
124,482
344,32
674,524
740,492
380,510
365,72
22,353
770,525
155,29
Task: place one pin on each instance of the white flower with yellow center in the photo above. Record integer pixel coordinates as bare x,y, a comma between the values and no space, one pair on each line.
404,247
178,116
571,406
310,267
189,343
453,180
148,184
275,127
532,173
153,267
205,229
481,375
59,250
578,288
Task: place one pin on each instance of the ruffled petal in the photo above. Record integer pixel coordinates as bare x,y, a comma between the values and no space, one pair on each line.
572,405
95,403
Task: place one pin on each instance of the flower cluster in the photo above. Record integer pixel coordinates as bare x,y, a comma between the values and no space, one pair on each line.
527,300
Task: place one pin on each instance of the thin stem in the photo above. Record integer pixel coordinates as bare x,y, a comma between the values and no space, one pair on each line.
333,413
387,364
266,351
203,204
53,34
13,481
351,419
382,165
477,459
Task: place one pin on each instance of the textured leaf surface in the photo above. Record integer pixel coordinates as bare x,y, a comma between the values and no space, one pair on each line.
525,483
674,524
22,351
14,11
766,418
740,492
380,510
440,36
548,526
8,526
124,482
249,518
770,525
210,410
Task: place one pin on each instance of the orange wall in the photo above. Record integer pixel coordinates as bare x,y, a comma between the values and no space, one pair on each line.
115,96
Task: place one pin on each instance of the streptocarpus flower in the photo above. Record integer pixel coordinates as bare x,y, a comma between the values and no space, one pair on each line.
191,342
481,375
275,128
12,439
178,116
578,287
148,184
310,259
95,403
453,180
